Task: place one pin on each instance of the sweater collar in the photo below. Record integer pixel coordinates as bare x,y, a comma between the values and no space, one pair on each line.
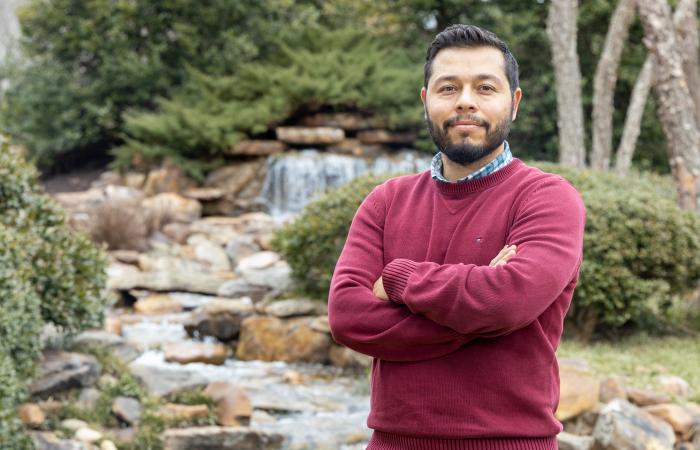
502,160
470,186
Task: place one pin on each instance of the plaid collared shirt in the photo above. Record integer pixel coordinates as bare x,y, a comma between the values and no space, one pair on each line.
500,162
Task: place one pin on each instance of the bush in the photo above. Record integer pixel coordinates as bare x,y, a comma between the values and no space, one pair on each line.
86,62
47,274
342,69
68,271
641,251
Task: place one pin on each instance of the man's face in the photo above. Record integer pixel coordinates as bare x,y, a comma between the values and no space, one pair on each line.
468,104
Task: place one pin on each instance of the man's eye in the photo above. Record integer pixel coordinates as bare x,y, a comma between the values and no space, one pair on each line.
447,89
486,88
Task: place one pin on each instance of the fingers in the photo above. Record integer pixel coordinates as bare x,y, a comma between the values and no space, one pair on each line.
378,289
503,256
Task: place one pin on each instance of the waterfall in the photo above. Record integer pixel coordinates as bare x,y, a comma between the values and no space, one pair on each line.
9,26
293,178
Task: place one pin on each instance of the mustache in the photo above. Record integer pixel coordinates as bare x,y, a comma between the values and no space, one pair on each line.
452,120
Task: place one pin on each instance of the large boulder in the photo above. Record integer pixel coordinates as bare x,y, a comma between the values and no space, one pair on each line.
242,184
272,339
117,345
265,269
621,425
46,440
168,178
219,318
125,277
221,438
579,389
680,419
344,120
162,381
171,207
191,352
386,137
127,409
567,441
233,406
341,356
210,253
310,135
646,397
59,371
257,147
295,307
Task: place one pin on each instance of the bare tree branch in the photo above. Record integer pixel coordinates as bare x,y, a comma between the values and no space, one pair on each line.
561,28
633,119
683,18
604,83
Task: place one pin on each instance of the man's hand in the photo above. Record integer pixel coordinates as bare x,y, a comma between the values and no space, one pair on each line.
379,291
503,256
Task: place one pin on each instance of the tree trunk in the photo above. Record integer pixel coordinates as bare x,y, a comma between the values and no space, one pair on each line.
604,83
685,20
675,106
645,79
561,29
633,119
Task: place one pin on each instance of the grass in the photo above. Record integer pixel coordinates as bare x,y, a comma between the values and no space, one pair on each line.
638,360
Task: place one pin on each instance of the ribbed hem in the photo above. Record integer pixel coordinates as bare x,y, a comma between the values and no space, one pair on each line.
395,277
467,187
388,441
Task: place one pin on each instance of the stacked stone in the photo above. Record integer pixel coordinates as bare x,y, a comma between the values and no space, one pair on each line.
212,276
603,414
346,133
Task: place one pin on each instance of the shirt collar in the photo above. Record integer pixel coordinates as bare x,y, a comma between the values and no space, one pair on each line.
501,161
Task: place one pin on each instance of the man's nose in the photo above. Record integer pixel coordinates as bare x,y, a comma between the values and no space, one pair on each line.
466,101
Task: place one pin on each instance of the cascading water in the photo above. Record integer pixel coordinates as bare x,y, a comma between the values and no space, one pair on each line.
293,178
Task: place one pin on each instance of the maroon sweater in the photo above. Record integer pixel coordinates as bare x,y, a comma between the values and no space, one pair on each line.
464,353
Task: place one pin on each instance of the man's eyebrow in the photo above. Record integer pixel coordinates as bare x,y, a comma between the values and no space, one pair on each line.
489,77
481,77
446,78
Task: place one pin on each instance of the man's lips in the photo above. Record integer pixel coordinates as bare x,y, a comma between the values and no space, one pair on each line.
464,123
466,126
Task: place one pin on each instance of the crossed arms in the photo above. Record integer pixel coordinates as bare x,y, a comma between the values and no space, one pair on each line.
434,309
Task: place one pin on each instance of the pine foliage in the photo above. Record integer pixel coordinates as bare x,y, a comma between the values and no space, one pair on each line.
341,69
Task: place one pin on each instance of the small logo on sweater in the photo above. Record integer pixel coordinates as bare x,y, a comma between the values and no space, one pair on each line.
478,240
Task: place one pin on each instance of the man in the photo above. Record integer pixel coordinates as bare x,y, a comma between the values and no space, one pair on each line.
456,280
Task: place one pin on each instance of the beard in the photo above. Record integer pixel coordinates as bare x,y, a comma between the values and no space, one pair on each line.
465,153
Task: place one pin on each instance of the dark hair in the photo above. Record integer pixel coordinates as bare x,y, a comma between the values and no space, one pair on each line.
464,36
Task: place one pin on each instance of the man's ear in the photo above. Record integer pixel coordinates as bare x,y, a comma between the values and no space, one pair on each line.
422,95
517,96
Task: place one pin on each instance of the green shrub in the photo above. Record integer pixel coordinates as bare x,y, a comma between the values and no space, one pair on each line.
641,251
20,327
47,274
68,271
342,69
87,61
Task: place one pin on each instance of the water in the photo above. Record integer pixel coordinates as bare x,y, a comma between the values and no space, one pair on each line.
327,410
295,177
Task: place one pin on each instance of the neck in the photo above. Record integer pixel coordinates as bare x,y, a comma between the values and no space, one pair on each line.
453,171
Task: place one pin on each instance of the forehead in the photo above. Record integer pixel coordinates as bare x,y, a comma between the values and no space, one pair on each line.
466,62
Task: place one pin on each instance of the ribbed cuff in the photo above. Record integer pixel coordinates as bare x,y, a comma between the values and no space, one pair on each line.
395,278
389,441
